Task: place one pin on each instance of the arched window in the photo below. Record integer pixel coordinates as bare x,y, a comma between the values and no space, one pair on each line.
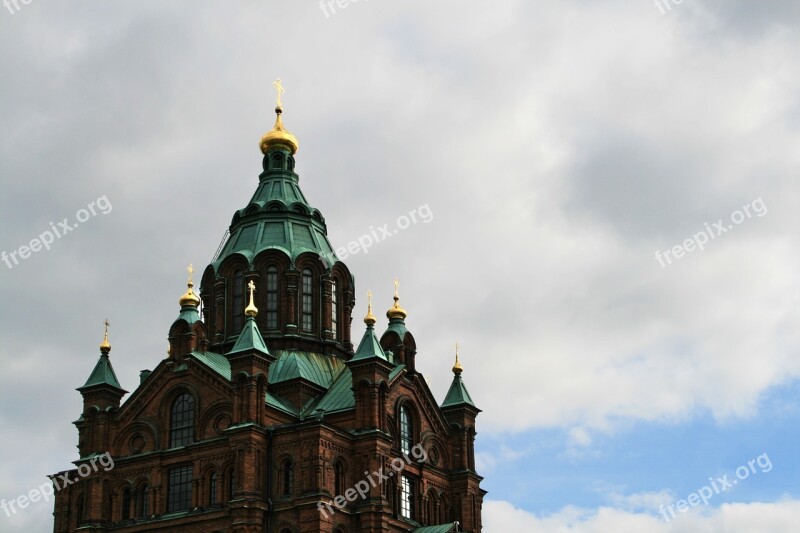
286,477
339,482
334,310
212,489
272,298
126,504
308,300
238,302
406,430
143,505
182,426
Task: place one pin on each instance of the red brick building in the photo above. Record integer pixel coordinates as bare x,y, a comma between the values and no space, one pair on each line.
263,418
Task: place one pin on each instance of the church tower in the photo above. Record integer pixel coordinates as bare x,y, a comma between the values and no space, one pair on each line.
264,417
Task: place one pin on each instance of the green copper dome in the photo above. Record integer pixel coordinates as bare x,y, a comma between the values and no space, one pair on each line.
277,217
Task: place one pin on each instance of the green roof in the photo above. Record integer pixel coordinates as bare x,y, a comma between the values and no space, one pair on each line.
317,368
216,362
189,314
103,374
250,339
398,325
278,217
444,528
458,394
339,397
369,347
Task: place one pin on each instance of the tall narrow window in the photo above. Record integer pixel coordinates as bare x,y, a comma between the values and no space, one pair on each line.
406,498
339,478
308,300
126,503
182,424
286,474
406,431
143,506
334,310
272,298
238,302
179,490
79,510
231,483
212,489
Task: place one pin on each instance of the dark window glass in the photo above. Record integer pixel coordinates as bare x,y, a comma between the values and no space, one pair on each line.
126,504
79,509
231,483
238,302
308,301
144,502
182,428
406,433
179,491
339,479
334,310
212,489
287,477
272,298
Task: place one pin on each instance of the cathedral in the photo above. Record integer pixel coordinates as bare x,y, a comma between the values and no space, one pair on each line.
265,417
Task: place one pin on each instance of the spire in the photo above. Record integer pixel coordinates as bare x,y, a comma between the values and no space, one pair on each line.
250,338
396,311
458,394
103,373
189,301
369,346
278,136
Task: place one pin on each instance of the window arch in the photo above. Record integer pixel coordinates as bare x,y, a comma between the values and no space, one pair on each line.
237,302
272,297
126,504
182,422
406,429
334,310
308,300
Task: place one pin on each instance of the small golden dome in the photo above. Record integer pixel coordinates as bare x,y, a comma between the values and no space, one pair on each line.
370,318
251,309
189,298
278,136
396,311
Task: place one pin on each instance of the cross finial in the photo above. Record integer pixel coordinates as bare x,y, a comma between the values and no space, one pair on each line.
370,318
396,288
280,90
190,270
457,369
251,309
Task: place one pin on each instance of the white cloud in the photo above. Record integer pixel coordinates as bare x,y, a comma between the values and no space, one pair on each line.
777,517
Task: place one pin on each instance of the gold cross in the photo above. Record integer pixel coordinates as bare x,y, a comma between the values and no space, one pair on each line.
396,288
369,302
190,269
456,350
107,323
252,287
279,88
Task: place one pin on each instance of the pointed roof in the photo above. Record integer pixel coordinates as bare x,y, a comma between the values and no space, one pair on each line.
250,339
103,374
458,394
369,346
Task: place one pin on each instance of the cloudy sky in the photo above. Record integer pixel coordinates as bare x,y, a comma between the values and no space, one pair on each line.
613,234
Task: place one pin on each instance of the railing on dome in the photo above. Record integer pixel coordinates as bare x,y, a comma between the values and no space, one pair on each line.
221,245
